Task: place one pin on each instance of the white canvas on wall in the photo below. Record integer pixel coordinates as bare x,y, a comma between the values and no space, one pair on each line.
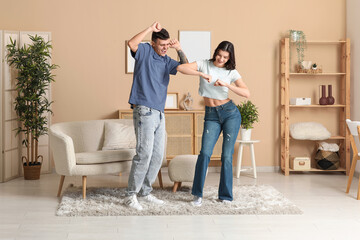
196,44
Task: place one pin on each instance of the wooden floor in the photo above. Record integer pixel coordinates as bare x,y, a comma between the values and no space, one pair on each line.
27,211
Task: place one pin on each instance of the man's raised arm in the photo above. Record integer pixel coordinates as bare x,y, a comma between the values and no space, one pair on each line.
134,42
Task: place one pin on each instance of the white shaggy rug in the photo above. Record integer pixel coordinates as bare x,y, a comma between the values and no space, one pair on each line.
248,199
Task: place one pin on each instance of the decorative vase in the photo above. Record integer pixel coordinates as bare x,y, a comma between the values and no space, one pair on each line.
245,134
323,100
330,98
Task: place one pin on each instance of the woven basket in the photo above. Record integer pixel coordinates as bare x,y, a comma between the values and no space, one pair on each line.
299,69
327,160
32,172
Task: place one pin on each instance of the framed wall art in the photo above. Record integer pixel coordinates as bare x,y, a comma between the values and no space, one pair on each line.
172,102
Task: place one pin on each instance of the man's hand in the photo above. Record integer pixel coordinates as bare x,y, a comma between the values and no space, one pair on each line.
220,83
206,77
156,27
174,43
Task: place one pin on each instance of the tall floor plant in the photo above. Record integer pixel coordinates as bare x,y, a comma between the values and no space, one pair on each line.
31,104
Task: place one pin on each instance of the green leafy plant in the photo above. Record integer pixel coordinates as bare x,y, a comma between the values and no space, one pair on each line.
249,114
31,105
299,38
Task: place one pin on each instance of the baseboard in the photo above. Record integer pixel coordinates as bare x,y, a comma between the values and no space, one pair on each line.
258,169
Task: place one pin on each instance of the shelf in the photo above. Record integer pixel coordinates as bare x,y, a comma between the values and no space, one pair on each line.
318,106
331,138
323,42
342,108
317,74
319,170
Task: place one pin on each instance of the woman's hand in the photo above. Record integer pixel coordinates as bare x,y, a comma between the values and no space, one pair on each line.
206,77
220,83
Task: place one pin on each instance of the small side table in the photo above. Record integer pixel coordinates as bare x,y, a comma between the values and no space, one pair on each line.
252,154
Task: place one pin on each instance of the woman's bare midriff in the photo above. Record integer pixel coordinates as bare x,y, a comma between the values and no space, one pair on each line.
214,102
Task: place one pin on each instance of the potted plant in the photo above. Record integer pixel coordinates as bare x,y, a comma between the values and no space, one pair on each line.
300,41
249,115
31,104
314,66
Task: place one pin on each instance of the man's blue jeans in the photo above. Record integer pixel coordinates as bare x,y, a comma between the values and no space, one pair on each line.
225,118
149,127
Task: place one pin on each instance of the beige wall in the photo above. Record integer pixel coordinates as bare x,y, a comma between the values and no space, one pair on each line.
89,45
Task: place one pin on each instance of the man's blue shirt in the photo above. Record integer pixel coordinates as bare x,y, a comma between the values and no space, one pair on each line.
151,77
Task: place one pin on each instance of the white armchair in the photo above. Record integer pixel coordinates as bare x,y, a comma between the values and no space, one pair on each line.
77,151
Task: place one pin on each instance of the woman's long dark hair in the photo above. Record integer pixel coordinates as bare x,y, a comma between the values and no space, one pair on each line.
228,47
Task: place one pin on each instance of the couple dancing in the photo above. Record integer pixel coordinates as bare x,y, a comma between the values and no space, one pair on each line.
147,99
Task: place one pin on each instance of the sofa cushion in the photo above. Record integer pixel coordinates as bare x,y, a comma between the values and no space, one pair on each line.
118,136
120,155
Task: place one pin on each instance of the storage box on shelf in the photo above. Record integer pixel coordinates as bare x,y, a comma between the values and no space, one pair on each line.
300,163
300,101
339,111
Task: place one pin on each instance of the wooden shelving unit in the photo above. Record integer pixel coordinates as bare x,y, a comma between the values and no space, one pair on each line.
342,103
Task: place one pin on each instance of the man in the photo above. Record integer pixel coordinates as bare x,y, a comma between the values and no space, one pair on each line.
147,98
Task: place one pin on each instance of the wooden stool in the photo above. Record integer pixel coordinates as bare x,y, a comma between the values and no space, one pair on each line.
240,152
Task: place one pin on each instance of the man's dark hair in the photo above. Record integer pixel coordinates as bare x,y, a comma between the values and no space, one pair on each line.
228,47
163,35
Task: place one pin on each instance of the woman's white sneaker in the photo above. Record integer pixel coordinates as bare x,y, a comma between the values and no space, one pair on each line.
131,201
152,199
197,201
225,201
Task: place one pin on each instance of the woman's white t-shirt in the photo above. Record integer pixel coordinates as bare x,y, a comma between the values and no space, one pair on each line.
207,89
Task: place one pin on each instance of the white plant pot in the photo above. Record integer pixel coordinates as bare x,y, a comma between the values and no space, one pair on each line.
295,36
245,134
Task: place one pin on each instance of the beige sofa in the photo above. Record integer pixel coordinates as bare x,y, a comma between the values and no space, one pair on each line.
77,150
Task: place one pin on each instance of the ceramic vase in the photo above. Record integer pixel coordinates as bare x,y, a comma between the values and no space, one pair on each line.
323,100
330,98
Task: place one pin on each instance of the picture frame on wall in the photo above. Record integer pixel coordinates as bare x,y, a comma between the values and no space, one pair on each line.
129,60
196,44
172,102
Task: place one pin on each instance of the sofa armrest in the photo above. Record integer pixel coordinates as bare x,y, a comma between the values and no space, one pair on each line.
63,150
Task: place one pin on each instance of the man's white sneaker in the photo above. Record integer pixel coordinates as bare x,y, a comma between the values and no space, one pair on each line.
132,202
151,198
197,201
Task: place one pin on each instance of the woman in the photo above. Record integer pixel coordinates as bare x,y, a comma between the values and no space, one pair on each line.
221,114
